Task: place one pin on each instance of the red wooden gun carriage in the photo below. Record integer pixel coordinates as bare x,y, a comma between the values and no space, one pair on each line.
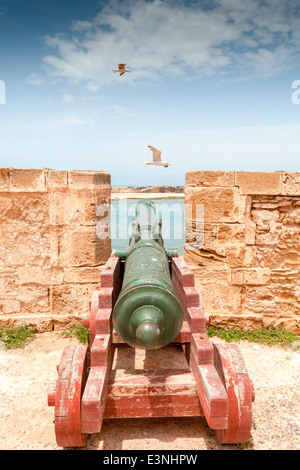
215,385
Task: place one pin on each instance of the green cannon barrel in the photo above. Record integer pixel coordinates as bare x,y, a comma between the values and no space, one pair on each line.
147,313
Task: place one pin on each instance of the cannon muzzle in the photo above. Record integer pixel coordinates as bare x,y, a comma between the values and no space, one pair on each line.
147,313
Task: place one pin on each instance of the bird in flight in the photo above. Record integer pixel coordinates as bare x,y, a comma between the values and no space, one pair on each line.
156,158
121,70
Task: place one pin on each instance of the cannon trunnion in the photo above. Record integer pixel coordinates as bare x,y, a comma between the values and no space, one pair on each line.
148,300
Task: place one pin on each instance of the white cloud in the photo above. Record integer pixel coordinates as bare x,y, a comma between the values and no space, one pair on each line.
34,79
117,110
68,99
167,38
91,86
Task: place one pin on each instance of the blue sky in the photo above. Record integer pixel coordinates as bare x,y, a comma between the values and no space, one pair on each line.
211,86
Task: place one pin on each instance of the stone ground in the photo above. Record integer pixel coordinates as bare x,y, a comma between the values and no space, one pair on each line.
26,422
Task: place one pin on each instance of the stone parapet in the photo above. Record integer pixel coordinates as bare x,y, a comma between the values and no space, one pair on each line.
50,255
245,250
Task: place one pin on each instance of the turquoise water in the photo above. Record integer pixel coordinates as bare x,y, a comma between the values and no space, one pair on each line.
171,211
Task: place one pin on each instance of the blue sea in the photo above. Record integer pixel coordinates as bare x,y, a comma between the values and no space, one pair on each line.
171,211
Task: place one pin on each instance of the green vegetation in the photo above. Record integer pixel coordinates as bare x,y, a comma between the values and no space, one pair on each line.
81,333
16,337
269,336
19,336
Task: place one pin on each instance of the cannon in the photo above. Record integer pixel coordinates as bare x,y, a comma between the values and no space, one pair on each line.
147,313
148,300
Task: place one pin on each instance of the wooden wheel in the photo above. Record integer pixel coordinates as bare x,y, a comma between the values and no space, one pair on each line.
231,368
72,375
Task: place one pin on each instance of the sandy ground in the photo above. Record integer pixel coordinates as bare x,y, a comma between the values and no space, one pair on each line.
26,422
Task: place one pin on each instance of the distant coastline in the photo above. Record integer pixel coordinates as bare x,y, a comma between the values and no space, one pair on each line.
141,192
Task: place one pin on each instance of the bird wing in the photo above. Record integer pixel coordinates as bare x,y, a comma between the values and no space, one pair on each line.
121,66
156,154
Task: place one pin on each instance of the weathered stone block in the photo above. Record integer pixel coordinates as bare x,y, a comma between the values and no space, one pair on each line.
220,204
250,276
291,184
209,275
53,243
57,178
285,276
209,178
259,301
257,276
250,232
287,323
268,238
237,277
231,233
2,288
88,179
82,248
258,182
292,258
196,231
208,257
220,297
259,307
74,207
4,179
10,306
292,217
27,180
239,321
250,258
243,207
30,209
38,275
289,237
71,299
241,256
270,225
85,275
270,256
25,248
33,298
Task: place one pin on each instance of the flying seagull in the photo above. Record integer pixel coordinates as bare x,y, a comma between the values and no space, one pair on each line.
121,70
156,158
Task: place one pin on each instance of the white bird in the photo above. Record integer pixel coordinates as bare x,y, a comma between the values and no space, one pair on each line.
156,158
121,70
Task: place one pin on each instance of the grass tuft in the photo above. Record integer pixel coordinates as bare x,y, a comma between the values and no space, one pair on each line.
79,331
271,336
16,337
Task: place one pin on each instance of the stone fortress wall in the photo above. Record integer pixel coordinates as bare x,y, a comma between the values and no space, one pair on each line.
50,255
248,265
245,253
